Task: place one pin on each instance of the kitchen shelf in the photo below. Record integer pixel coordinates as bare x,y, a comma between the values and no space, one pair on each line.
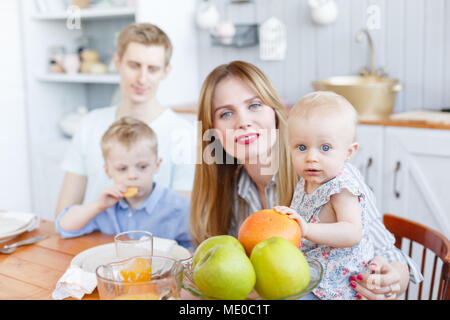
111,78
87,14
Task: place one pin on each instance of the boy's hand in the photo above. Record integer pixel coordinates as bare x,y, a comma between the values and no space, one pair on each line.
109,196
294,216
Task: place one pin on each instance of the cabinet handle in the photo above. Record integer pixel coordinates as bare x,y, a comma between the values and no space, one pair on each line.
397,169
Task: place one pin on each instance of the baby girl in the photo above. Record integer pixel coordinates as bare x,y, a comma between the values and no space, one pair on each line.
328,202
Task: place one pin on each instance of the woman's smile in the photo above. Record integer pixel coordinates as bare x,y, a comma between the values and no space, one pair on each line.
247,138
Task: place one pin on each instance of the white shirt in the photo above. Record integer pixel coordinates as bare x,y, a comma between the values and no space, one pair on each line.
176,147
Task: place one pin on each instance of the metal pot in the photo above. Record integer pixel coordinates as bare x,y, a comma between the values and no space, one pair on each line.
372,96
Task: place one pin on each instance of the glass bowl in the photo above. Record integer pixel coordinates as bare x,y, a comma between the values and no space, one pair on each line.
315,268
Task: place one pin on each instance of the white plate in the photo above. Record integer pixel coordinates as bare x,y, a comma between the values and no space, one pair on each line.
90,259
15,223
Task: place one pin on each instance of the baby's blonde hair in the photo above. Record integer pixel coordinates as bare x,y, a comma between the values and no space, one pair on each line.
128,131
326,103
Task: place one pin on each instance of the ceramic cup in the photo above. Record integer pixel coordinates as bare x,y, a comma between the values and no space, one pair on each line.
225,31
207,16
323,11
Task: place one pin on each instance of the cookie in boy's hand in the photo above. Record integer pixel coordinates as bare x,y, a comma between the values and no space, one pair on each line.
131,192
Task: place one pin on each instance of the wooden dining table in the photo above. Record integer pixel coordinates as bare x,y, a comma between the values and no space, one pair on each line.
31,273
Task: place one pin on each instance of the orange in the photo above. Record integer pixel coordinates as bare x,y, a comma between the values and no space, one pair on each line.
139,271
265,224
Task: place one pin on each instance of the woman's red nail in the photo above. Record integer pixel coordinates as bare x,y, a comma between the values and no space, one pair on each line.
373,265
358,296
359,277
352,278
352,284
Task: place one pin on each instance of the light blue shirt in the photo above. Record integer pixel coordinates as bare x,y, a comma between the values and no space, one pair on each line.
164,213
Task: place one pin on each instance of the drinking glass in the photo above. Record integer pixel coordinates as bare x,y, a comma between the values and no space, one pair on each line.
114,283
133,243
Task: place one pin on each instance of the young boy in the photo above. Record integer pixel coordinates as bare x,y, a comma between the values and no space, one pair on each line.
134,201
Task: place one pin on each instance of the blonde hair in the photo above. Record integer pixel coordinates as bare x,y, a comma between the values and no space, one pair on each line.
146,34
128,131
327,103
212,205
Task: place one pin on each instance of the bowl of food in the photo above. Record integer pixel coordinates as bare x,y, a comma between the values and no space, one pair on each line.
316,273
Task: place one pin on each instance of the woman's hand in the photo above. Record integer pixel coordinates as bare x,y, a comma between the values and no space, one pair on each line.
385,282
294,216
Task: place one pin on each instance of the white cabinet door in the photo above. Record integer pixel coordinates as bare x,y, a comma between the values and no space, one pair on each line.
417,176
369,158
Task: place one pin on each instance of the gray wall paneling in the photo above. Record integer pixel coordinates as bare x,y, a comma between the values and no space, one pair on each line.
413,45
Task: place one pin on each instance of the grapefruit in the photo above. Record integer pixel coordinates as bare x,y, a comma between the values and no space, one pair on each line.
265,224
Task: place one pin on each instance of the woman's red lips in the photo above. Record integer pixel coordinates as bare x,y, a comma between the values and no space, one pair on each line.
247,138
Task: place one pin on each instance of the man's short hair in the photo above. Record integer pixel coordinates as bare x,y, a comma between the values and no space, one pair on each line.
146,34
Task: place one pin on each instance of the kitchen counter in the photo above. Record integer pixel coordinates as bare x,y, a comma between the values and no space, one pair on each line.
405,123
188,108
412,119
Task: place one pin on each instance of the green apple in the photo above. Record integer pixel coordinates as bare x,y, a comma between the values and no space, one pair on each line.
211,242
225,272
281,268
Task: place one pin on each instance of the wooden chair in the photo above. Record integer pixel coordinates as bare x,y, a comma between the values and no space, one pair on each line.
429,239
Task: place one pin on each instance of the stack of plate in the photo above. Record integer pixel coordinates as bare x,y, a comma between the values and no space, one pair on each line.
90,259
13,224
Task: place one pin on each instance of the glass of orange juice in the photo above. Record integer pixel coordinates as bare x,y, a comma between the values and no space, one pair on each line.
133,243
140,278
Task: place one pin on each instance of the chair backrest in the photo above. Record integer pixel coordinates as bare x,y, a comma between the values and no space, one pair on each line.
429,239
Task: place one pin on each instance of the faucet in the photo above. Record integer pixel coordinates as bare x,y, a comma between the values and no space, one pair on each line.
359,37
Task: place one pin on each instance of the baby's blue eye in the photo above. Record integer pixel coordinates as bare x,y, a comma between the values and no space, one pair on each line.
325,148
301,147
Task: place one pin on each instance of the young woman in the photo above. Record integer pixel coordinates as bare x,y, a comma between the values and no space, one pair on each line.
245,166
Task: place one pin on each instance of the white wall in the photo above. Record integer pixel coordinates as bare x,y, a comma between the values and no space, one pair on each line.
176,18
15,188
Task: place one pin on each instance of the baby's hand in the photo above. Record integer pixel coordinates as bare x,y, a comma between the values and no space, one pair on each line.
109,196
294,216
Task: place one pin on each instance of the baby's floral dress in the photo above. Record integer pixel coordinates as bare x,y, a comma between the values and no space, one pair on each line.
338,263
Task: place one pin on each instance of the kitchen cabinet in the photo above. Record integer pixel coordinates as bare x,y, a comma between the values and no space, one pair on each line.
369,158
409,171
417,175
